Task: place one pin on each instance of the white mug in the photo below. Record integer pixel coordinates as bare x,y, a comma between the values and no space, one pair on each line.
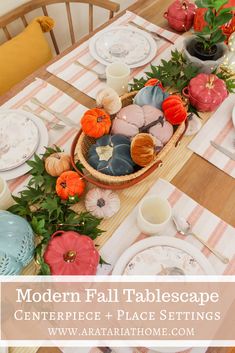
118,75
154,214
5,196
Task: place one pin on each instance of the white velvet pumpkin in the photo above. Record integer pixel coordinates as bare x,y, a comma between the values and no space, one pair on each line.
102,203
109,100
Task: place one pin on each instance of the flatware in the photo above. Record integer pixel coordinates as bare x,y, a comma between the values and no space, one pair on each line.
223,150
51,124
155,35
58,115
185,228
101,76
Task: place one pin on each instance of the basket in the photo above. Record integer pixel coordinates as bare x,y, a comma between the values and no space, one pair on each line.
81,146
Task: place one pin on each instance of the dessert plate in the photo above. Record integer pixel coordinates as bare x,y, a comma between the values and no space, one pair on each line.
40,148
19,139
160,255
130,45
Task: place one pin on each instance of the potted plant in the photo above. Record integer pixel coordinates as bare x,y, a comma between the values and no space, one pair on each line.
206,49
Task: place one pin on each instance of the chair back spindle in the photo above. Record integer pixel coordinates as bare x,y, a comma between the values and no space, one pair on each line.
23,10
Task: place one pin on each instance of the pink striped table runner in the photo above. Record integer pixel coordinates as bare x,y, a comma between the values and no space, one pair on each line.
210,227
87,81
58,101
220,129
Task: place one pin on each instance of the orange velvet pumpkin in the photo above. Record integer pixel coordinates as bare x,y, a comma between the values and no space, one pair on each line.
143,149
69,184
199,21
174,110
96,123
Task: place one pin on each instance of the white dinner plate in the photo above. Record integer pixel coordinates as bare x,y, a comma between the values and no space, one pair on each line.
127,44
42,143
183,251
233,116
19,139
180,246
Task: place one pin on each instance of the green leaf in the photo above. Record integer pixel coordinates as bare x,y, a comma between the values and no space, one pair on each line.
209,17
51,150
222,19
219,3
217,37
53,206
37,165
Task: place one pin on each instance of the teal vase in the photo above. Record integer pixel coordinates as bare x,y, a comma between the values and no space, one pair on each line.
16,243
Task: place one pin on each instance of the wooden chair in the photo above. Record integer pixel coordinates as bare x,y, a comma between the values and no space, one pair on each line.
22,11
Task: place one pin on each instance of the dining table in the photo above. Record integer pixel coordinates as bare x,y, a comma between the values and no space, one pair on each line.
196,177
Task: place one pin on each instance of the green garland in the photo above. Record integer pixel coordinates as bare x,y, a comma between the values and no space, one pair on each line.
40,205
176,74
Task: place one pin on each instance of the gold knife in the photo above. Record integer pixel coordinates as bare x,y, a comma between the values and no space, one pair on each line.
152,33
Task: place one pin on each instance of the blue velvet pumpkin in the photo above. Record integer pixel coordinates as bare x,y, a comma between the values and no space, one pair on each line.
151,95
111,155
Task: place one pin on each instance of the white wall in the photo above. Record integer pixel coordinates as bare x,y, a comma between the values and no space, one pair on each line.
79,13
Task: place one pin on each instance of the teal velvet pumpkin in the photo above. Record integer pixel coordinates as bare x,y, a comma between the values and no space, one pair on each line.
111,155
151,95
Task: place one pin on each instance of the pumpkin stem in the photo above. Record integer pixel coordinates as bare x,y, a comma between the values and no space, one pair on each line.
63,184
210,83
100,119
101,202
70,256
160,120
184,6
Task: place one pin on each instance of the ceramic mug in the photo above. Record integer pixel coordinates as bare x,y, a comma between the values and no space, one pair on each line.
5,196
118,75
154,214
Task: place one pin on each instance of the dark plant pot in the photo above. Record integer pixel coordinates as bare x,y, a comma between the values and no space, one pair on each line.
209,65
201,54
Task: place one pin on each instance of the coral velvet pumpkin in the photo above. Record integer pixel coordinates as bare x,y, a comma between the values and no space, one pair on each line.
70,253
69,184
96,123
111,155
57,163
174,110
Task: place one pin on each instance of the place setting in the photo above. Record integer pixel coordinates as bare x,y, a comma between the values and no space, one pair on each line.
109,46
27,130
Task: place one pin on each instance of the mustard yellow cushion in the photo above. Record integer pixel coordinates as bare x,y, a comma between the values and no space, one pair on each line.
25,53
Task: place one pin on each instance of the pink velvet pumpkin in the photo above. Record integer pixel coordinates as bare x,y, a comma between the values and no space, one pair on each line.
70,253
206,92
180,15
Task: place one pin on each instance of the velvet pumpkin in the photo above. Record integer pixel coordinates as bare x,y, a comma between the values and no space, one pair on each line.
174,110
70,253
143,149
134,119
154,82
151,95
57,163
95,123
69,184
111,155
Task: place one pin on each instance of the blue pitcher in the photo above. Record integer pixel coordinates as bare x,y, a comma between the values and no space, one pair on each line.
16,243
